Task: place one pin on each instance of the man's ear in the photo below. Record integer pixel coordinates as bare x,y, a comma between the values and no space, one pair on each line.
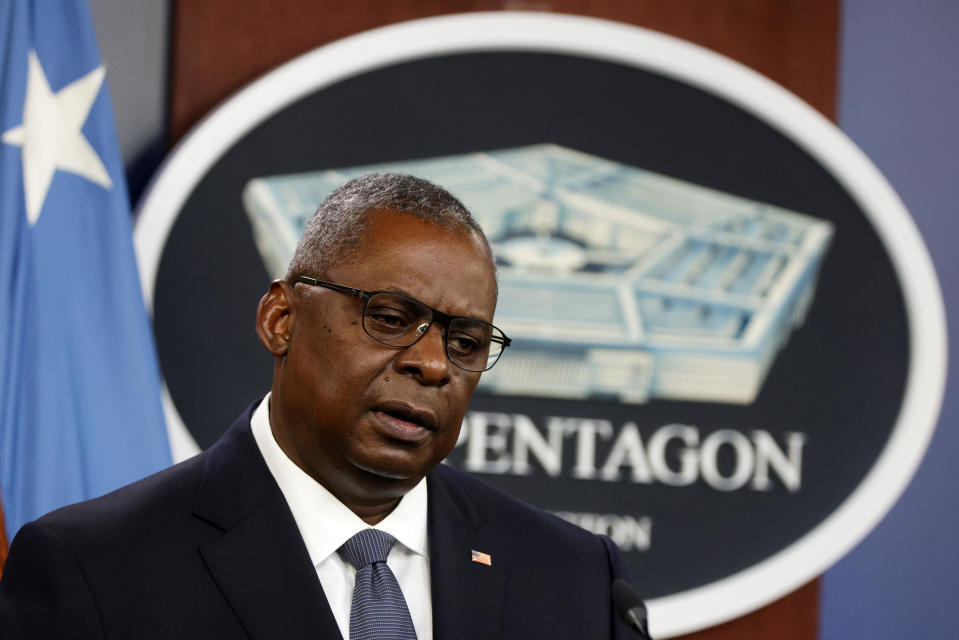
275,316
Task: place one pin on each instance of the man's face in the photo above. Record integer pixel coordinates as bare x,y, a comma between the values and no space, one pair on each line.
363,418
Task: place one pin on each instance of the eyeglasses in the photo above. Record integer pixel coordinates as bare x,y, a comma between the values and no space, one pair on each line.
400,321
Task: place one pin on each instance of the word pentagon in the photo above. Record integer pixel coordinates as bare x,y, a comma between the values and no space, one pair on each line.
500,443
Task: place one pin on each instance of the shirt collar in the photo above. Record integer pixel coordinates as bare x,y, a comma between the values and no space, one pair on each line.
324,522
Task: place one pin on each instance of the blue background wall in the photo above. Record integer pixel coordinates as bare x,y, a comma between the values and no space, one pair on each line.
899,100
898,97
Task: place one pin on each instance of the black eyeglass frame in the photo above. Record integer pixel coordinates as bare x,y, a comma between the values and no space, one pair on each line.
444,318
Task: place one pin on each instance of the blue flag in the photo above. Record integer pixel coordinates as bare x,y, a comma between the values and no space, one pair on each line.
80,410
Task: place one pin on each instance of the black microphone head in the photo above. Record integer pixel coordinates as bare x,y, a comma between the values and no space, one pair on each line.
630,606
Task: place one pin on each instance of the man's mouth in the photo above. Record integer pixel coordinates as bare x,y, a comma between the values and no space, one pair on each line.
405,421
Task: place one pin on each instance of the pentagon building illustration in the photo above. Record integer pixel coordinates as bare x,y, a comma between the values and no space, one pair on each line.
615,282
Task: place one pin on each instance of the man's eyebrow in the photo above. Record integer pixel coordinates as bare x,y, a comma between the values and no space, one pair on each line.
395,289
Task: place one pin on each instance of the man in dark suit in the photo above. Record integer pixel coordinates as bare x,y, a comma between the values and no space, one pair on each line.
380,332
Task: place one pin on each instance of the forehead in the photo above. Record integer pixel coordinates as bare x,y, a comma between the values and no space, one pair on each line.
447,269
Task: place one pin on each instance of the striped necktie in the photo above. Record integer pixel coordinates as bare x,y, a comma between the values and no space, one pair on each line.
379,611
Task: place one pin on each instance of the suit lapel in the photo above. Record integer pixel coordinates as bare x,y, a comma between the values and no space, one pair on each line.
260,562
263,569
467,596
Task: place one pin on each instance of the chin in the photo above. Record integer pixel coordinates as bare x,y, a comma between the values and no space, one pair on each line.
395,470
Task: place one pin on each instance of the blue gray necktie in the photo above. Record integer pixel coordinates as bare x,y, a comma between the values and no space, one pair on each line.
379,610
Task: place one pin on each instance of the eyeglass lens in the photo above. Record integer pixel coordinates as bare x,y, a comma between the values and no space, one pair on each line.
400,321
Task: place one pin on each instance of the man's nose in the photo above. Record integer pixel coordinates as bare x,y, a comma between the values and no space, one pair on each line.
426,359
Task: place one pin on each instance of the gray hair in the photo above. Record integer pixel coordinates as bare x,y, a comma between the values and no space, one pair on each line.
334,231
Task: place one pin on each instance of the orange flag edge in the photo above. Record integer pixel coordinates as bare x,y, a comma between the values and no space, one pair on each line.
3,541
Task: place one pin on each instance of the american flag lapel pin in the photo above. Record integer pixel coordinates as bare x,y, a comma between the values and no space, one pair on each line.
481,558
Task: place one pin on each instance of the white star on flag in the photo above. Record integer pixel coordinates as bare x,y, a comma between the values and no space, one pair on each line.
51,136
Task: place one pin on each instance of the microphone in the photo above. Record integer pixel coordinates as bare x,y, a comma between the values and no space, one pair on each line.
630,607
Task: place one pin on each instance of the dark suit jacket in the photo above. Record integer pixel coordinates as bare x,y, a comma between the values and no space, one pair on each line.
209,549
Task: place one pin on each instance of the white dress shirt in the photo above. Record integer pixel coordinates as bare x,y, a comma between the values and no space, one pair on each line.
326,523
